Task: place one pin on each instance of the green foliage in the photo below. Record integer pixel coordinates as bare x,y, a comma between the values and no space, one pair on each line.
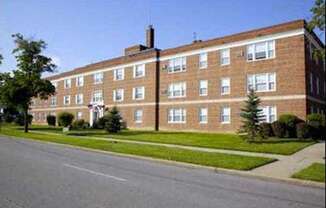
318,21
266,130
278,129
290,121
317,125
51,119
303,130
65,119
100,123
113,125
20,119
251,115
79,124
17,89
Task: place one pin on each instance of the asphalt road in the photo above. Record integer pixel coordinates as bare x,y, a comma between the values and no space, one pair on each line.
38,175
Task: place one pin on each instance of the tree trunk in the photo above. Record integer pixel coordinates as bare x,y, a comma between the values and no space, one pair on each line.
26,120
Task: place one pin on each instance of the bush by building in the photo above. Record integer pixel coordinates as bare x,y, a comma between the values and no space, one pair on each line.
290,121
303,130
113,125
317,125
278,129
79,124
266,130
65,119
19,119
51,120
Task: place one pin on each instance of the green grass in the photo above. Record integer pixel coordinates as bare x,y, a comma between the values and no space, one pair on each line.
315,172
219,160
208,140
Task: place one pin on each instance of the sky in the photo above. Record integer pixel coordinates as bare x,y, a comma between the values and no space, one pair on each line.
80,32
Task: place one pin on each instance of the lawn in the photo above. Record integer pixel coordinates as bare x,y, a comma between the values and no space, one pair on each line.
208,140
219,160
315,172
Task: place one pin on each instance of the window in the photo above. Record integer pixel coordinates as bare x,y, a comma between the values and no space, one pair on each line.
97,96
98,78
119,74
138,116
269,114
53,101
225,115
177,115
261,82
203,88
311,83
317,84
177,65
177,90
118,95
139,71
80,81
67,83
225,86
66,100
262,50
79,115
225,56
203,115
138,93
203,60
79,99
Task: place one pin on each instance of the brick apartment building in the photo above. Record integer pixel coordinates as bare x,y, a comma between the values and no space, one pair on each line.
199,86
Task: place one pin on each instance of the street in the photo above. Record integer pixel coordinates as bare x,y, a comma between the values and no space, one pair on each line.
40,175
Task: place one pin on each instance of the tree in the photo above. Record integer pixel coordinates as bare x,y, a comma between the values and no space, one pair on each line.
1,58
65,119
318,22
18,89
251,115
113,124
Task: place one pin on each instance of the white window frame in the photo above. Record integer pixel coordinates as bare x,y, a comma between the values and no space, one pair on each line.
267,112
138,118
53,101
115,95
79,99
135,89
177,65
142,68
173,88
228,86
116,72
203,84
269,47
67,83
97,96
203,113
79,115
203,63
79,81
66,98
172,115
225,58
223,115
268,81
98,78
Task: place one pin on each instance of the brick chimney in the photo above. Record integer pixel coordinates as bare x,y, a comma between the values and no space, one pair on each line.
150,36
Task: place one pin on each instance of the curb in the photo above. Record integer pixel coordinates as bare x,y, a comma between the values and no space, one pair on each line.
245,174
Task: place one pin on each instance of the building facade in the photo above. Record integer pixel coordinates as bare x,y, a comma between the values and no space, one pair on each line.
201,86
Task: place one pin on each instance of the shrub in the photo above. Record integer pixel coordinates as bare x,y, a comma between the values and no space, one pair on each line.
65,119
266,130
86,125
19,120
78,124
290,121
317,125
113,125
51,119
303,130
278,129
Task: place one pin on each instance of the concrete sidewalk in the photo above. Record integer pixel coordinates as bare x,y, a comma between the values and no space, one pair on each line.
287,166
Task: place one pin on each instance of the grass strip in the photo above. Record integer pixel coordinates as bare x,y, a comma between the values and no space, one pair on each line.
315,172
